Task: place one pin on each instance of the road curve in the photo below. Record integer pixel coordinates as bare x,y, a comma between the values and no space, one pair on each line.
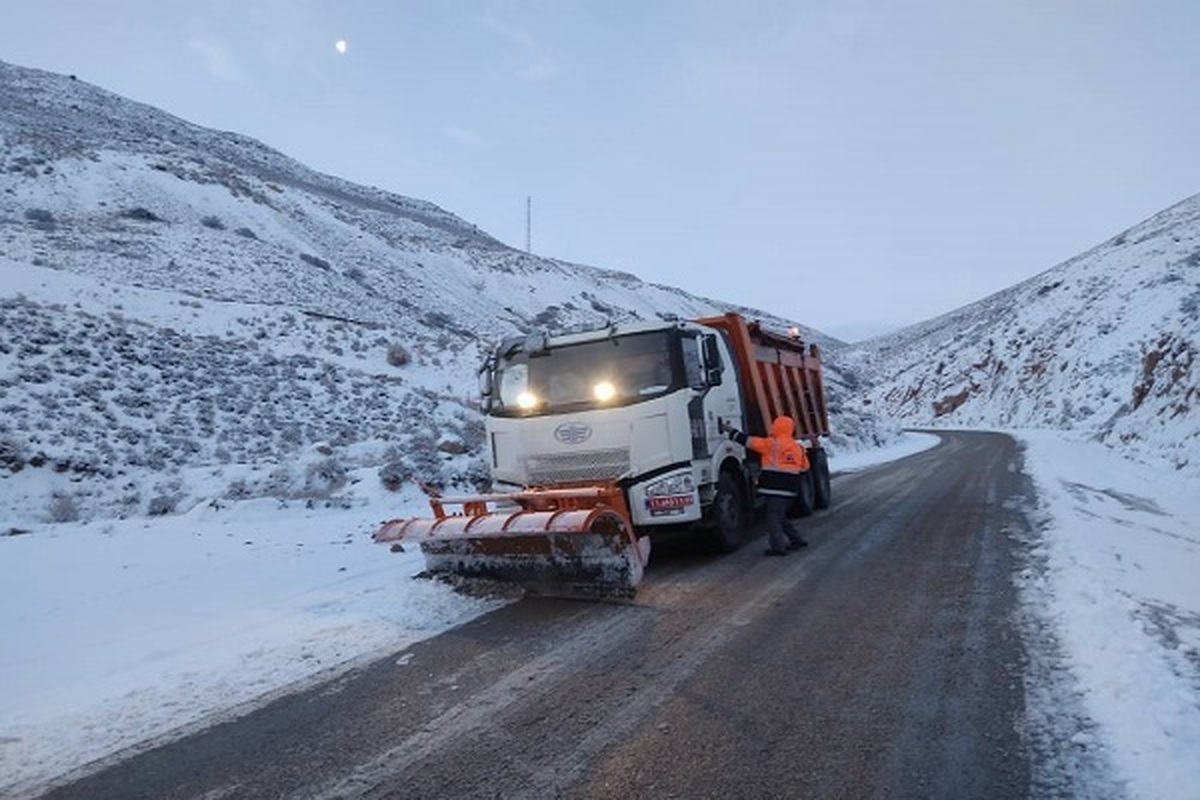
883,661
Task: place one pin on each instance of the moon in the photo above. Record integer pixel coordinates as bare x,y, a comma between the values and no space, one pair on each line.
340,46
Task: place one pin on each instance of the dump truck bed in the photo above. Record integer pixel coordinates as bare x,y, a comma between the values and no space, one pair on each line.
781,376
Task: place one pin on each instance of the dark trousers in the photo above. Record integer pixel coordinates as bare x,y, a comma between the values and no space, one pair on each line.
780,530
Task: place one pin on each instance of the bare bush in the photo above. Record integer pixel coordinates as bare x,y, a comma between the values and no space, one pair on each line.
424,457
453,447
12,455
141,215
397,355
437,319
62,508
474,432
163,504
324,478
315,261
41,218
394,474
549,317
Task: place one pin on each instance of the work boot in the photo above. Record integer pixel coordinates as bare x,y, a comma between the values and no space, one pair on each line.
796,544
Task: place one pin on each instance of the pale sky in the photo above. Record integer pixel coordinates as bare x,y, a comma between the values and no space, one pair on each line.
853,165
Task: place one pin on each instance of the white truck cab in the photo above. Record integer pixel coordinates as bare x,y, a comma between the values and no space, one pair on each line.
637,404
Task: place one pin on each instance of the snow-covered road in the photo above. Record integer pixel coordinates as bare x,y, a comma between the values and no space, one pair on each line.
117,633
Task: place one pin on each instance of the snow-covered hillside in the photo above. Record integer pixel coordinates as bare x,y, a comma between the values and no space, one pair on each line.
184,308
1105,344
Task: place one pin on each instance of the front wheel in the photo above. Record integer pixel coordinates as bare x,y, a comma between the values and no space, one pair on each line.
728,513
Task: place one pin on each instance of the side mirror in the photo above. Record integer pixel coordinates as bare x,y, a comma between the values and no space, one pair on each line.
713,368
485,385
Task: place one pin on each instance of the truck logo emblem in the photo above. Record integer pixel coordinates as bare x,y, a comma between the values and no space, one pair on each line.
573,433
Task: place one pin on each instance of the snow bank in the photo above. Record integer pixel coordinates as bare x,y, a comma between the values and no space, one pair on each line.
906,444
1120,549
121,632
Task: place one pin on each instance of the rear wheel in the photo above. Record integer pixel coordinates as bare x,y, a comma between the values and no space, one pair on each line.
728,513
805,500
819,467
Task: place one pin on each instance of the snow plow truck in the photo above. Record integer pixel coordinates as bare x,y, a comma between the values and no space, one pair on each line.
599,438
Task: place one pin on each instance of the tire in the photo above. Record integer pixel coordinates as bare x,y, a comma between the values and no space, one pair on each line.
822,489
803,505
729,513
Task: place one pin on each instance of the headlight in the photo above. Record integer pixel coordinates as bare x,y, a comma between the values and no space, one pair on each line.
604,391
672,484
527,400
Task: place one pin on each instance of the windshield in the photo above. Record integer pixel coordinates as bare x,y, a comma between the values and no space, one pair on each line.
615,371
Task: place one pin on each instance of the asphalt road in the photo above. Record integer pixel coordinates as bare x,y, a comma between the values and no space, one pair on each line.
883,661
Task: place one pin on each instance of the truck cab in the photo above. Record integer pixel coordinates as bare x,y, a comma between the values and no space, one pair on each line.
636,404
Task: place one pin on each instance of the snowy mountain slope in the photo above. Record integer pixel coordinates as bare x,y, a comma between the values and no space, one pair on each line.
1105,344
99,185
178,303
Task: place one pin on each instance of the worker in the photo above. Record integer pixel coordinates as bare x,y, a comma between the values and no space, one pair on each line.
783,461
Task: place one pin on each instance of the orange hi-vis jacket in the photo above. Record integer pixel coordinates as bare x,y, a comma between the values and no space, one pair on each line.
783,458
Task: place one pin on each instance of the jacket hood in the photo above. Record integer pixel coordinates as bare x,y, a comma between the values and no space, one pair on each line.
783,426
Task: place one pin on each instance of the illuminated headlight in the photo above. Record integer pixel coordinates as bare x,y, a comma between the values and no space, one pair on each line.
673,484
527,400
604,391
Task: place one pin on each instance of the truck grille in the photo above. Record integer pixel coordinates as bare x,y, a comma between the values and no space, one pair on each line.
594,465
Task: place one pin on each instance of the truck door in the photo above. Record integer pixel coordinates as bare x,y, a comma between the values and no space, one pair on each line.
714,390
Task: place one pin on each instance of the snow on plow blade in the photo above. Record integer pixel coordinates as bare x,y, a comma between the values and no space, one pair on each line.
567,542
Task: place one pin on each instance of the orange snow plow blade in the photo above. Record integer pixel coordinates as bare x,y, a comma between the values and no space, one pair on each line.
565,542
